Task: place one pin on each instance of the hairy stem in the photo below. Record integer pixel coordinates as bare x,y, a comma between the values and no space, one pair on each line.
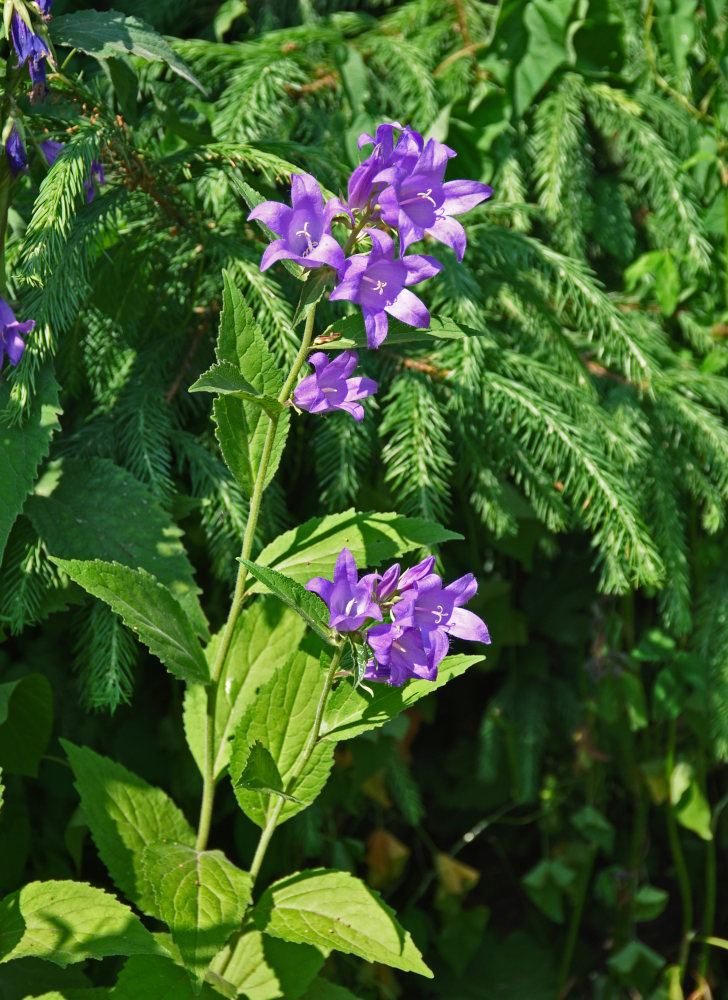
208,777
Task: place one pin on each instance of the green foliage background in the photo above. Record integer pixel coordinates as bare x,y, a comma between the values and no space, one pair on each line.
554,819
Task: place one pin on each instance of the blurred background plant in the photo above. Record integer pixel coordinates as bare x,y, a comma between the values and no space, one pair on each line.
553,824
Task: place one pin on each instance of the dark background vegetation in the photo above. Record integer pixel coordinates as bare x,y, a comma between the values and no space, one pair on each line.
553,822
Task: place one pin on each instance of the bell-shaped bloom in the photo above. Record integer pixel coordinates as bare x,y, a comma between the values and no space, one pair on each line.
330,388
429,606
349,600
419,201
15,152
377,282
12,333
30,47
401,653
304,227
386,153
51,150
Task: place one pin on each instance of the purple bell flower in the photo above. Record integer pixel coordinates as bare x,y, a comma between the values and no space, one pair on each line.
15,151
304,228
385,154
430,606
51,150
349,601
401,653
45,7
418,201
11,334
31,48
329,387
377,282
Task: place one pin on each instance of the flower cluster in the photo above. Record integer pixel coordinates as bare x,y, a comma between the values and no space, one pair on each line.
398,189
417,616
11,334
31,48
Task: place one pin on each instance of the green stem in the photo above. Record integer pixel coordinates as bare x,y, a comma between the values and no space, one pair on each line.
208,777
678,858
575,921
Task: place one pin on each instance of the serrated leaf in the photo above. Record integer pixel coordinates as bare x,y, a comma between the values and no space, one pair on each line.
24,446
125,814
266,636
148,609
260,774
66,922
103,34
352,710
92,509
264,968
201,896
226,379
282,717
310,607
350,334
26,723
333,909
151,977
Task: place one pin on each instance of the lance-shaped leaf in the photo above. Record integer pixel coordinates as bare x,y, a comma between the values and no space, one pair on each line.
201,896
353,710
125,814
149,609
373,538
349,333
260,774
265,968
92,509
310,607
282,718
67,922
332,909
266,636
23,446
227,380
104,34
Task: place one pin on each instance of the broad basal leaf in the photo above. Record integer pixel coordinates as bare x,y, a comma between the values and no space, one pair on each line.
266,636
24,446
265,968
109,33
310,607
92,509
125,814
282,717
331,909
149,609
200,895
67,922
351,711
26,723
372,538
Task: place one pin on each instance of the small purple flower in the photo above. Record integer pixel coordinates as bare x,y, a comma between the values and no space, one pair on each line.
12,333
376,281
417,201
349,601
330,388
32,48
430,606
15,150
97,171
304,228
403,653
51,150
385,154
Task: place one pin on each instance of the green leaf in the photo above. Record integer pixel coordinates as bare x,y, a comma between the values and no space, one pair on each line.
310,607
152,977
545,886
24,446
595,827
282,717
636,966
2,790
546,49
242,426
103,34
124,815
148,609
97,993
93,509
371,537
260,774
649,902
66,922
692,809
324,989
264,968
200,895
333,909
351,711
311,294
266,635
676,23
26,723
350,334
659,268
226,379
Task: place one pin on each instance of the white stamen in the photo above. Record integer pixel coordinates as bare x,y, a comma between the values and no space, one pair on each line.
426,195
440,612
311,244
